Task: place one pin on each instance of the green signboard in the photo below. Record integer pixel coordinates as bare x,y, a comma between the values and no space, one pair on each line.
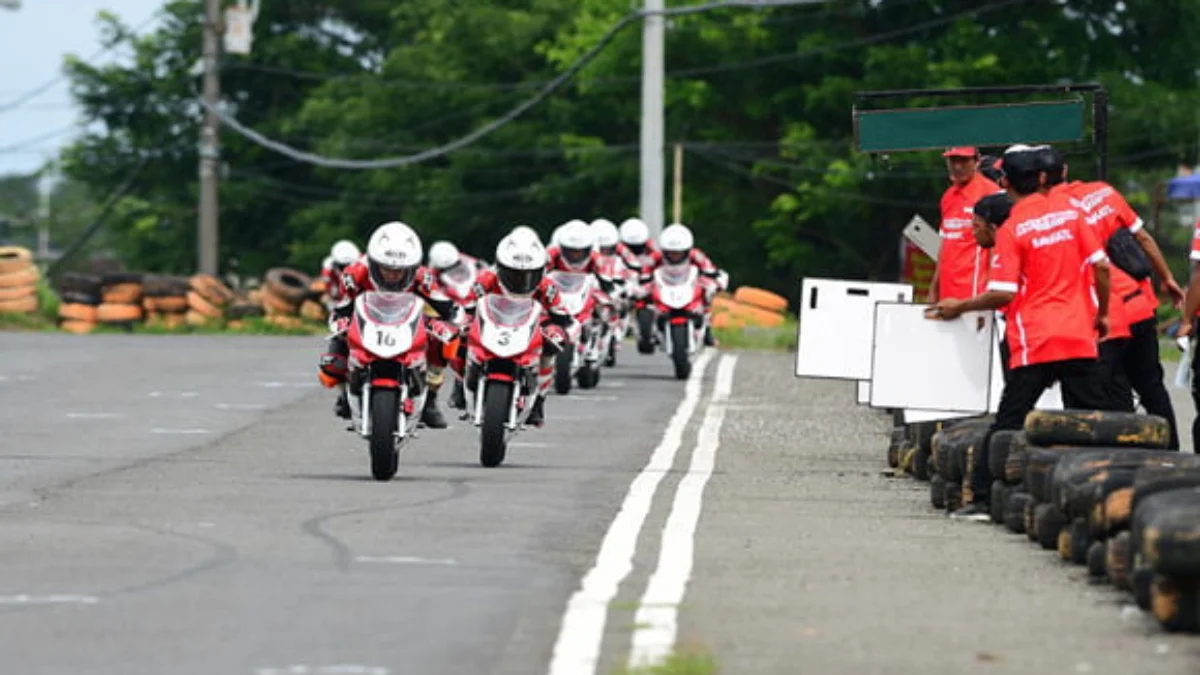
989,125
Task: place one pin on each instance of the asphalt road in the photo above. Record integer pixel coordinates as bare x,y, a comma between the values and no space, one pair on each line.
190,505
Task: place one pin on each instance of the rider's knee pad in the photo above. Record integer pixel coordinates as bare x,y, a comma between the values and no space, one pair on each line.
334,365
434,376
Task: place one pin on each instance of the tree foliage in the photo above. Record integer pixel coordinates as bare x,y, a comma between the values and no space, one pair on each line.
759,98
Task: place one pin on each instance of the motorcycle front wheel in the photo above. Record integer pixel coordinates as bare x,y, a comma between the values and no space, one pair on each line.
645,329
562,369
385,409
679,351
497,401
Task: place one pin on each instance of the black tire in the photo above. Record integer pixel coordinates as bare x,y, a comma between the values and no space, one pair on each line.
80,298
1166,532
899,436
385,459
645,328
1048,521
954,497
1096,555
288,284
121,278
1096,428
1014,465
922,434
1014,511
1139,583
1030,525
562,369
164,286
497,399
1175,603
937,492
1039,470
1081,541
1153,480
920,467
244,311
87,284
1084,477
1118,561
999,447
588,378
999,498
679,351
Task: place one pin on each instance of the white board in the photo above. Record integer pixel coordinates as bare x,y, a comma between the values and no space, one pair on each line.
912,416
924,364
924,236
837,318
864,392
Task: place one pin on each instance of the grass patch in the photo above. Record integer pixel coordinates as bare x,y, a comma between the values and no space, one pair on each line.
781,338
691,661
25,322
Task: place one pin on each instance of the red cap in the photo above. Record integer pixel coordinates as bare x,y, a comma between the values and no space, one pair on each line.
961,152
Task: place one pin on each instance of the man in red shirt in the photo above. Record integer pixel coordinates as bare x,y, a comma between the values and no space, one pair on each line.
1131,353
959,262
1053,330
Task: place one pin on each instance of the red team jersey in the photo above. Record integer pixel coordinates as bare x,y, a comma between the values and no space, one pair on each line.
357,279
1040,254
961,261
546,293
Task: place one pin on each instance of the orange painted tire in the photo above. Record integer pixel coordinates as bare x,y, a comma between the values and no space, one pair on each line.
25,305
212,289
122,294
20,278
115,313
199,304
73,311
195,318
318,287
285,321
77,327
14,259
170,304
175,320
236,324
312,311
772,302
277,306
748,315
727,320
17,292
723,304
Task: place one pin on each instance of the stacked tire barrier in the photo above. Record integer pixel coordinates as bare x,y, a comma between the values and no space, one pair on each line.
18,281
207,299
1099,489
749,307
165,300
120,300
79,296
284,295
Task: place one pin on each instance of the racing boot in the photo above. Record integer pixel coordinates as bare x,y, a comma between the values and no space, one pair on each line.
431,416
537,415
341,407
709,339
458,399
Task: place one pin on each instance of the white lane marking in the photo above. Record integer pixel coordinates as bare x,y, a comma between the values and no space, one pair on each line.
188,394
657,619
240,406
157,430
16,378
586,397
24,599
155,394
91,415
275,384
578,646
340,669
404,560
520,444
613,384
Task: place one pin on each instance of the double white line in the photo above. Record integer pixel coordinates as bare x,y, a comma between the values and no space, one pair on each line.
577,650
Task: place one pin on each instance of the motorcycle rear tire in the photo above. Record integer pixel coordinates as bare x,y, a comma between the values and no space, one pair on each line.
562,369
645,330
610,359
497,399
679,351
385,458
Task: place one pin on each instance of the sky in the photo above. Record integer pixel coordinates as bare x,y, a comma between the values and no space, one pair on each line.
33,43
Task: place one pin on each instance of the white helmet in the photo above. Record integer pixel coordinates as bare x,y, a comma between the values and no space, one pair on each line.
343,253
576,243
327,263
526,231
443,255
556,236
520,261
676,243
634,232
607,236
393,256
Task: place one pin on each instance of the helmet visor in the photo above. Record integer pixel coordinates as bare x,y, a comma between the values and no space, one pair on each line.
675,257
520,282
391,278
575,256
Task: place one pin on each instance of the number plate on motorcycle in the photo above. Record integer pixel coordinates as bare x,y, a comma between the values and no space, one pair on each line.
837,318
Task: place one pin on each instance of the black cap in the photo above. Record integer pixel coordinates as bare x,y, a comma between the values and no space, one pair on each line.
989,166
1022,161
994,208
1051,159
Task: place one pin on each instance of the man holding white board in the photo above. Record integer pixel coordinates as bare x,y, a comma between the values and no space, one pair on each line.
1052,332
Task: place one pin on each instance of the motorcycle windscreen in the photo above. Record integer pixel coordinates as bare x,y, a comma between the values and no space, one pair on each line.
509,311
675,275
571,283
923,364
463,274
390,309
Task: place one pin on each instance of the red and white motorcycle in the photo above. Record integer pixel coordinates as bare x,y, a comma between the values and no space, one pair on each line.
505,341
677,296
458,282
386,387
582,358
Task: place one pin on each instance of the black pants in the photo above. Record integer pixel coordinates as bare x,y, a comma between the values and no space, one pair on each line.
1143,369
1085,385
1112,356
1196,390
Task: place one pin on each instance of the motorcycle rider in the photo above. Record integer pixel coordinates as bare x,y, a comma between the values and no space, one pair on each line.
576,252
392,263
443,258
609,244
635,240
520,271
343,253
677,247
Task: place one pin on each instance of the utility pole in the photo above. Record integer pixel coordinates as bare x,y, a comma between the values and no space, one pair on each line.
207,240
677,212
652,117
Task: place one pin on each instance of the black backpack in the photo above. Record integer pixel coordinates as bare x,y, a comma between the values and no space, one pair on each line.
1125,252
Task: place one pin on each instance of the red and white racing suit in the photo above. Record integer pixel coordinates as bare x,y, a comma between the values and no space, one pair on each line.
558,326
331,274
708,272
356,279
